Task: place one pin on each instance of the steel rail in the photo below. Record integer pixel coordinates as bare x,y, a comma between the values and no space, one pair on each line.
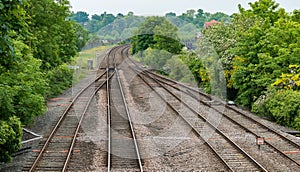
130,122
109,54
108,116
33,166
79,124
127,112
196,131
108,125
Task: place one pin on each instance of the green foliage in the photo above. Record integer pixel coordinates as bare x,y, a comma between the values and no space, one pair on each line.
81,17
99,21
158,33
16,68
199,17
81,36
55,37
60,78
196,66
260,52
155,59
26,84
264,50
179,70
282,106
289,81
166,38
121,29
34,35
12,19
10,137
187,32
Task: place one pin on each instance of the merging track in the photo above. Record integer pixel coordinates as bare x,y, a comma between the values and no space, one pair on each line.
221,128
123,151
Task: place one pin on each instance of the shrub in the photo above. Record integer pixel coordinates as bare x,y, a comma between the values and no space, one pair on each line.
60,78
10,137
282,106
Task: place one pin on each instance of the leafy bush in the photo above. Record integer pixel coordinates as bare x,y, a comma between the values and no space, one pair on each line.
10,137
155,59
23,86
32,37
60,78
282,106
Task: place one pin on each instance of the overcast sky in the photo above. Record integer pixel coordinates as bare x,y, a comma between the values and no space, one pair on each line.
160,7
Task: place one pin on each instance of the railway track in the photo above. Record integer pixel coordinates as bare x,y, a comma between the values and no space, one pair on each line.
123,151
282,145
274,139
57,149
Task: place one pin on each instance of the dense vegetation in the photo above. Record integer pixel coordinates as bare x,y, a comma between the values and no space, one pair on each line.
36,43
260,52
108,27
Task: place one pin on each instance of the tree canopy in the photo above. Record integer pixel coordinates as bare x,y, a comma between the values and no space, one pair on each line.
158,33
36,39
257,48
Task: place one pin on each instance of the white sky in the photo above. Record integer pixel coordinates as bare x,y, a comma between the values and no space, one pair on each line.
160,7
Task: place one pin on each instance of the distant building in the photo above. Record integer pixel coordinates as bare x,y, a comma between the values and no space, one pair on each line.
210,23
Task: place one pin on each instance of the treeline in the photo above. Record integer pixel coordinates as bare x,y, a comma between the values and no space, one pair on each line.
113,28
36,44
260,54
94,23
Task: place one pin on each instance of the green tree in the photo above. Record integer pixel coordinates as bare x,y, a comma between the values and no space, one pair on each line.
282,100
81,17
179,71
156,59
219,16
96,17
81,36
290,80
13,22
264,50
196,66
166,38
187,32
22,84
223,39
100,21
170,14
55,36
156,32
